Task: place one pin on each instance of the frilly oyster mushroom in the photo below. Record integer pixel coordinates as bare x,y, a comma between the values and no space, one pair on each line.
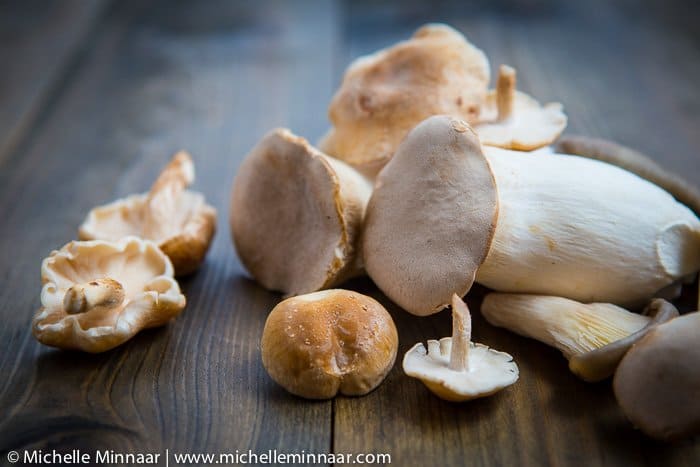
99,294
513,120
296,215
593,337
445,213
178,220
385,94
456,369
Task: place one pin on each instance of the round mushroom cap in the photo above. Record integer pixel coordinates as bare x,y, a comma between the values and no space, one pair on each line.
125,286
598,364
292,220
657,383
329,342
178,220
489,370
431,217
385,94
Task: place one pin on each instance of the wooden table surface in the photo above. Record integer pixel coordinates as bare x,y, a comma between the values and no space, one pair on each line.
96,96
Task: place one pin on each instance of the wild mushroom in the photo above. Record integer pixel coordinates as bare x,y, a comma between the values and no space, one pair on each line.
513,120
296,215
444,214
178,220
98,294
593,337
635,162
456,369
658,382
324,343
385,94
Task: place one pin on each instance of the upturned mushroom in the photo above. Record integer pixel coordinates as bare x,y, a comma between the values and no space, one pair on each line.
330,342
296,215
456,369
658,382
592,337
97,295
445,213
385,94
513,120
178,220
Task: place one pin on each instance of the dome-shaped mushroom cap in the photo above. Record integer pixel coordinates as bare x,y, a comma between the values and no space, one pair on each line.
295,215
657,383
385,94
334,341
120,288
489,370
431,217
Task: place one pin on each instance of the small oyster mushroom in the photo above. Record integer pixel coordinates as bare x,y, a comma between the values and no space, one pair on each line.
445,213
593,337
324,343
456,369
178,220
98,294
513,120
296,215
634,161
658,382
385,94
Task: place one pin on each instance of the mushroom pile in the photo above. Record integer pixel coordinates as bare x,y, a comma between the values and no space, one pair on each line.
119,278
428,181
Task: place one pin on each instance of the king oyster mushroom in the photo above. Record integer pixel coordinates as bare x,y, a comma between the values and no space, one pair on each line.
99,294
296,215
385,94
593,337
178,220
445,213
456,369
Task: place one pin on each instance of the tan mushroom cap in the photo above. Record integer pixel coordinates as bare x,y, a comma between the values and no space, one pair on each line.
99,294
513,120
431,217
385,94
329,342
178,220
296,215
657,383
481,372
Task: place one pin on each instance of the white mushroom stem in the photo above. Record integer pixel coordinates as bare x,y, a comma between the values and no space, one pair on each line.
461,335
104,293
163,199
572,327
505,92
586,230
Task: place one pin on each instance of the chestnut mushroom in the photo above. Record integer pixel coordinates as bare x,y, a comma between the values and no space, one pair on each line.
330,342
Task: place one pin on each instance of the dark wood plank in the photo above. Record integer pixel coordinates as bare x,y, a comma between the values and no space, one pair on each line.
212,78
39,42
622,73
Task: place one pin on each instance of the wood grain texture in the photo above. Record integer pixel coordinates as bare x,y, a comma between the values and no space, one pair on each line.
212,77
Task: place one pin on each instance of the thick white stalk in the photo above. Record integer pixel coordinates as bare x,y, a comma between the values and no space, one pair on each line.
586,230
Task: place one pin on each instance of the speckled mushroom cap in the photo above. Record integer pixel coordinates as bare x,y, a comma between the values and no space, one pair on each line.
324,343
296,215
431,217
657,383
178,220
97,294
385,94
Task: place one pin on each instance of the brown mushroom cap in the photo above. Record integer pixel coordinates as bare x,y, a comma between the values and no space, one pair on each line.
385,94
598,364
657,383
329,342
431,217
292,221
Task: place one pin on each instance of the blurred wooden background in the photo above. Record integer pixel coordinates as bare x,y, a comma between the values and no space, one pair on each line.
96,95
